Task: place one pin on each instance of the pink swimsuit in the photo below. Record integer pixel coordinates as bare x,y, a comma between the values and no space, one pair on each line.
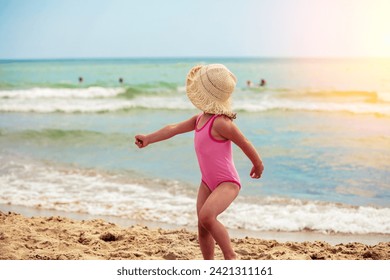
214,156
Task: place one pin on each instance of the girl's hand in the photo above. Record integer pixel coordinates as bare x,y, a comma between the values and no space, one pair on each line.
141,141
256,171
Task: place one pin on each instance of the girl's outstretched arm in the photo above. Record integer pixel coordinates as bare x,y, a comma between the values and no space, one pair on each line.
143,140
227,129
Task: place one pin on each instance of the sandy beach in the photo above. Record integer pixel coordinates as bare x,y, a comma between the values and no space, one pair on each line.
56,237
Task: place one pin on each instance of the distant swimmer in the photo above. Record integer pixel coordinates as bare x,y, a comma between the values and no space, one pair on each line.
81,79
263,83
121,80
249,83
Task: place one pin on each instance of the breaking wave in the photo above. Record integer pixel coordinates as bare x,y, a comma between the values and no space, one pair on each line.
42,185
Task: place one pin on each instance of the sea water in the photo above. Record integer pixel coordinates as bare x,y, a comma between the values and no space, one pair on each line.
321,126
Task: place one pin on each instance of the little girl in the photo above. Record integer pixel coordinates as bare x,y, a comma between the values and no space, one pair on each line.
209,88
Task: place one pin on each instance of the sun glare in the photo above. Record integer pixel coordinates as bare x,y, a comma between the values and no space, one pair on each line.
387,40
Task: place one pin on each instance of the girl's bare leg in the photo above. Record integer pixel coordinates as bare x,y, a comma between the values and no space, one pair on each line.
206,241
215,204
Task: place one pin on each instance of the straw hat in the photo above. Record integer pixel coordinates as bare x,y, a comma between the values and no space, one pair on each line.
209,88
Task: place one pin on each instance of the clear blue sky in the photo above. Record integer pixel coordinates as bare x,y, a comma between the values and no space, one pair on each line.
181,28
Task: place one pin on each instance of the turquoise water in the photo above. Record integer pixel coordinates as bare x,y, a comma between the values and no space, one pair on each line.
322,128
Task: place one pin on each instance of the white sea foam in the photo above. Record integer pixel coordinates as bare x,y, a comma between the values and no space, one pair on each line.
35,184
285,104
297,215
98,99
83,105
65,105
174,103
62,93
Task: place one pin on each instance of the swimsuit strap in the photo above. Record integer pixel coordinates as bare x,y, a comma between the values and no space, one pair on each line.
197,121
207,123
211,127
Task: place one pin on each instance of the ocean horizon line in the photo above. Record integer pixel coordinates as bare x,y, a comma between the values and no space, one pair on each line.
190,58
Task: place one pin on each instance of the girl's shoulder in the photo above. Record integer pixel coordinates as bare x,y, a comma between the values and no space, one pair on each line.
224,118
222,122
